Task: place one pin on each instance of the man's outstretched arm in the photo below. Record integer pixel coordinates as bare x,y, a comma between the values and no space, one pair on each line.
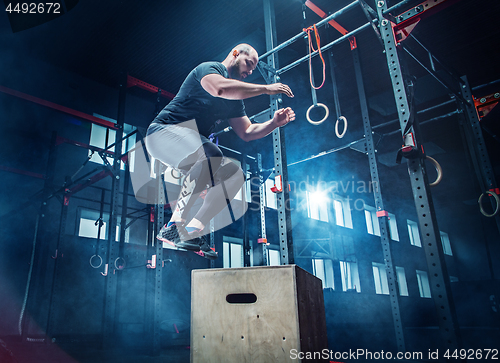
247,131
231,89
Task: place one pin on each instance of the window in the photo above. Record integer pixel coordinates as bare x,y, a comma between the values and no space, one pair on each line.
445,241
413,233
232,252
273,257
372,224
342,212
380,278
349,275
401,277
270,197
393,227
88,226
317,206
323,269
423,284
102,137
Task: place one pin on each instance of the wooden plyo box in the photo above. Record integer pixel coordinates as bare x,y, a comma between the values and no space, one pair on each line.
256,314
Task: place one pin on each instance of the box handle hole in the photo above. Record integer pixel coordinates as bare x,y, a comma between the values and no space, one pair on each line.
245,298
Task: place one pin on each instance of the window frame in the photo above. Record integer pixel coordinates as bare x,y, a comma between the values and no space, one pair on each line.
345,211
424,287
412,232
325,272
227,252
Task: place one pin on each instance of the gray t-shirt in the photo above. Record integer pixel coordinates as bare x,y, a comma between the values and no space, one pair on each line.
193,102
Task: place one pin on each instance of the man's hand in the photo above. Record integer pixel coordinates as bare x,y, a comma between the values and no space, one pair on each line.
277,88
283,116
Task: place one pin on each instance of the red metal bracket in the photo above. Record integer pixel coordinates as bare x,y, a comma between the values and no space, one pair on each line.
134,82
152,215
333,23
382,213
66,198
105,273
485,104
407,21
278,185
152,262
262,240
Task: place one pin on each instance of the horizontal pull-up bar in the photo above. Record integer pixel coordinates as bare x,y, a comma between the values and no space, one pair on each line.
301,34
399,6
326,47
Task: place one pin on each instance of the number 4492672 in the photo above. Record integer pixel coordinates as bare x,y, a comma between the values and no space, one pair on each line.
34,8
478,354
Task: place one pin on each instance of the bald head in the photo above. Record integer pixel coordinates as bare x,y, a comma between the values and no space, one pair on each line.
246,49
241,61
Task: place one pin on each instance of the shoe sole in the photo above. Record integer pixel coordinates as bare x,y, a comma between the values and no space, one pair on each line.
195,248
188,246
207,256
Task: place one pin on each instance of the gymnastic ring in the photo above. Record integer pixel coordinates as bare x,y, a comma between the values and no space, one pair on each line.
100,261
320,121
341,118
497,199
123,265
438,169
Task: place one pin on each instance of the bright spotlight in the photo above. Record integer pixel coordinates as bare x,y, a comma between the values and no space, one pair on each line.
317,197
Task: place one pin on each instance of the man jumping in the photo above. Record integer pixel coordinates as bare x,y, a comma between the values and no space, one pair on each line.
178,138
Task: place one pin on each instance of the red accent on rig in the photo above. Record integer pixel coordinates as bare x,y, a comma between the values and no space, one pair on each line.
333,23
485,104
382,213
132,82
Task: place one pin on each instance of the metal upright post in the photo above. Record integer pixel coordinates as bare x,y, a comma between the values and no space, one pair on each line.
479,153
383,216
212,239
150,283
244,218
160,221
262,209
279,146
429,231
111,278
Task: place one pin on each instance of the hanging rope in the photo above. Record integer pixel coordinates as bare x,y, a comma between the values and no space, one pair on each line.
311,50
313,87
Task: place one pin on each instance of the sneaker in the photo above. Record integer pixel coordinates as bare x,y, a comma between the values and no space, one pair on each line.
191,242
206,251
169,235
